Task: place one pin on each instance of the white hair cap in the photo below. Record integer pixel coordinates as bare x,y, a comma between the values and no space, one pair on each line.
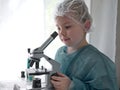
74,9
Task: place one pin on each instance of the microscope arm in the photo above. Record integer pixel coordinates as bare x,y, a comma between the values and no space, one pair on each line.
55,64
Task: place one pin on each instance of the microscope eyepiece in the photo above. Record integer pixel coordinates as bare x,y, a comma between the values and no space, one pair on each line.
54,34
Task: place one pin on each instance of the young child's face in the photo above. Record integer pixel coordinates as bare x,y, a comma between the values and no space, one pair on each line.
70,32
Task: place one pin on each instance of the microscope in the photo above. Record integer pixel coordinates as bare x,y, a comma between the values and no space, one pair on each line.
35,58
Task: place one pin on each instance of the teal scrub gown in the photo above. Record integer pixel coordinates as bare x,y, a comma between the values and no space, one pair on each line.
88,69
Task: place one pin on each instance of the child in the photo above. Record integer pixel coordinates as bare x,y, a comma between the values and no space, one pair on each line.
83,67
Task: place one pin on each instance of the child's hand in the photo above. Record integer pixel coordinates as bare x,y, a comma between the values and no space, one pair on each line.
60,82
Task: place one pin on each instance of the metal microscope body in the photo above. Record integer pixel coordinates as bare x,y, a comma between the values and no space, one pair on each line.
36,56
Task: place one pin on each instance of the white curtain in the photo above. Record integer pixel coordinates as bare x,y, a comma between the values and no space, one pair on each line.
103,36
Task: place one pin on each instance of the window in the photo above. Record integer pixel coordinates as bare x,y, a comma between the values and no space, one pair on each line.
24,24
21,27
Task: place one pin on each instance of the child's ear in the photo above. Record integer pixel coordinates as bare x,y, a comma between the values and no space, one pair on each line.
87,25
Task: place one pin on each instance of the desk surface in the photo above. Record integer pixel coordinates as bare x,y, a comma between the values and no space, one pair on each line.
10,85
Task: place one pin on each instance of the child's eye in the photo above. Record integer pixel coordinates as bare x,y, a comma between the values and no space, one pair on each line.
58,28
67,27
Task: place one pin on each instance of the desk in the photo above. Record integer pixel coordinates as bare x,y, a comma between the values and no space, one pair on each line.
10,85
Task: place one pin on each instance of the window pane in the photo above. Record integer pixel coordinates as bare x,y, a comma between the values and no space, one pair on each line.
21,27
